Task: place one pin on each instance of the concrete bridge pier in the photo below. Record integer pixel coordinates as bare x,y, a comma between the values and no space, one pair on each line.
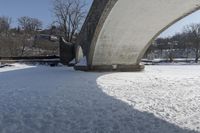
117,33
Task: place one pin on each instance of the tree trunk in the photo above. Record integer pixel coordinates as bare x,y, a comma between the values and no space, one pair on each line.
196,55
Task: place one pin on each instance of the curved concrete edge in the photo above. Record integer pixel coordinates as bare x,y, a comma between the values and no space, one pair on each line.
104,56
104,48
162,30
89,26
109,68
99,27
79,53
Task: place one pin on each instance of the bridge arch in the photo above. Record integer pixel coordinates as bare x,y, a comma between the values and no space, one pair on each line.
122,30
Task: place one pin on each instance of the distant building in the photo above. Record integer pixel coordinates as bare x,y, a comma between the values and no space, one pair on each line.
46,37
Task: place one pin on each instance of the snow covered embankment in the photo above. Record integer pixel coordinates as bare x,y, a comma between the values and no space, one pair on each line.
171,93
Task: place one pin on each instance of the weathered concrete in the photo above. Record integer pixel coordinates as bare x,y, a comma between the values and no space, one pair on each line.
126,28
88,30
79,53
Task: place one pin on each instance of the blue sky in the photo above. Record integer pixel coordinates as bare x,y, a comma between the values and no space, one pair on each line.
178,27
42,9
34,8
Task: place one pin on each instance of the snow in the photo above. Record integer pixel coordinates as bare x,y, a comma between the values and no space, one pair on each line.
42,99
73,61
15,66
82,62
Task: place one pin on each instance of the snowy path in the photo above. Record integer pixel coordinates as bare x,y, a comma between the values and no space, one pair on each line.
162,99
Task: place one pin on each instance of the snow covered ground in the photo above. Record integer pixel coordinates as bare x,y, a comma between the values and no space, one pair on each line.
42,99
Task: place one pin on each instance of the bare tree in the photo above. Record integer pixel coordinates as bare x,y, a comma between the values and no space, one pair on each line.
5,40
30,27
5,23
70,15
29,24
193,32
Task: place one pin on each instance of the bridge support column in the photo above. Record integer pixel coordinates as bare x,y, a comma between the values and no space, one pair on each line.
120,31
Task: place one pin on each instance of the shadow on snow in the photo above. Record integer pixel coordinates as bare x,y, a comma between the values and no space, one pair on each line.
60,100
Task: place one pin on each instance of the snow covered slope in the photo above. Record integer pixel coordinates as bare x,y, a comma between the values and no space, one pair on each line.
42,99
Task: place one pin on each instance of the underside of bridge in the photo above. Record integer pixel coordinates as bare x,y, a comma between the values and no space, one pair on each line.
117,33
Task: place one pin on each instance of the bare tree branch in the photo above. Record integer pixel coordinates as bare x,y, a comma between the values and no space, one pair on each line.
70,15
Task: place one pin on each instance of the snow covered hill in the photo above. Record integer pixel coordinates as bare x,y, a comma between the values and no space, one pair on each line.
42,99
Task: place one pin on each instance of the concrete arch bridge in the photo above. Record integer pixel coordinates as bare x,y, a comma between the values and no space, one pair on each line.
117,33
